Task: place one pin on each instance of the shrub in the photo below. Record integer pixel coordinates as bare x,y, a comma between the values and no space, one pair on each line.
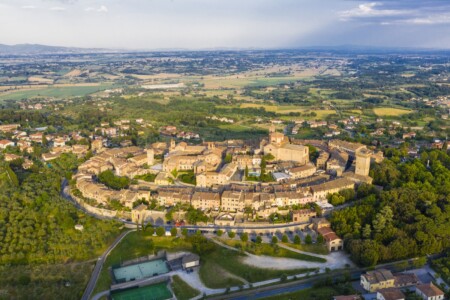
173,231
308,240
244,237
160,231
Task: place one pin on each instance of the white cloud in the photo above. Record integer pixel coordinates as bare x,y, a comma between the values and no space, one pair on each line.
101,9
57,8
29,7
430,19
368,10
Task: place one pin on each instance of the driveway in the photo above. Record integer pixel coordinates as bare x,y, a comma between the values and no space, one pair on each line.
335,260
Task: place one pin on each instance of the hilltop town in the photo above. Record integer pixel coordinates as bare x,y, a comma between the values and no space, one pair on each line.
266,168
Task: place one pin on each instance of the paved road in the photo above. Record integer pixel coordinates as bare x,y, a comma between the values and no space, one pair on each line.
282,288
99,265
274,292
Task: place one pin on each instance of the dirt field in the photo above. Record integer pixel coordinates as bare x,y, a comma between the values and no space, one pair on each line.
282,109
390,112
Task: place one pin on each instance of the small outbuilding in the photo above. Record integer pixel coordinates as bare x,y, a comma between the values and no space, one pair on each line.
190,261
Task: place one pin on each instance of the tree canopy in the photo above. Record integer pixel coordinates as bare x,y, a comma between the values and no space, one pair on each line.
409,218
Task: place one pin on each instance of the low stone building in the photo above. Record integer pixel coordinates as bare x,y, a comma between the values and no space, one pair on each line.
390,294
303,171
321,191
376,280
303,215
232,201
206,200
190,261
429,292
333,242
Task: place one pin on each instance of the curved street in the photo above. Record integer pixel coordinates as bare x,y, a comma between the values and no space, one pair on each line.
99,265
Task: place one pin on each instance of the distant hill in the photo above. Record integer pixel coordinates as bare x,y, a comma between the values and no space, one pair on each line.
35,49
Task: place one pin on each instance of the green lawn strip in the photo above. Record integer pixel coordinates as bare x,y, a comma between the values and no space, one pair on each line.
182,290
57,92
214,276
271,250
314,248
323,292
230,260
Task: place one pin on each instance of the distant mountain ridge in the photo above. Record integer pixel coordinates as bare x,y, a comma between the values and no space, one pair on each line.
39,49
34,49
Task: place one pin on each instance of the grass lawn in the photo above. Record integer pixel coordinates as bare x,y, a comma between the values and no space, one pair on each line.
390,111
322,114
235,127
230,261
134,245
214,276
324,292
57,92
269,250
220,261
314,248
182,290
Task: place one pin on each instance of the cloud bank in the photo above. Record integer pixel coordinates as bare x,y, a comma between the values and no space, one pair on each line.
200,24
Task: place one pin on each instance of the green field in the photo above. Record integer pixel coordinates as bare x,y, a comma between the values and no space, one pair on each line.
182,290
314,248
230,261
221,278
152,292
270,250
55,92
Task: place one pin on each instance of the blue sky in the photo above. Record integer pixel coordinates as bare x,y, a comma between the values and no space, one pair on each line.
200,24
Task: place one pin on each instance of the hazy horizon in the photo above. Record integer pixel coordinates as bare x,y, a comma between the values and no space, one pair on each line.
232,24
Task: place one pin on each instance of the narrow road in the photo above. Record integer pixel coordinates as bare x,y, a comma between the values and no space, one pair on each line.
281,288
99,265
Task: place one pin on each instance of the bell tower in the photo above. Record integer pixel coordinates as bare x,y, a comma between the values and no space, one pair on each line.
363,162
150,157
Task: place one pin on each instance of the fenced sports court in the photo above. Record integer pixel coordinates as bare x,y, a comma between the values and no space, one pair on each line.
140,271
158,291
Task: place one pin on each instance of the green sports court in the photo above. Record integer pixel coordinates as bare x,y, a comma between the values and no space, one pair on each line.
158,291
141,270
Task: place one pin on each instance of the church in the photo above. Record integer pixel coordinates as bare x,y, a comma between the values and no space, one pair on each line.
279,146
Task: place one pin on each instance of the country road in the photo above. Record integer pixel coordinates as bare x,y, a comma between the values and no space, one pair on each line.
99,265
